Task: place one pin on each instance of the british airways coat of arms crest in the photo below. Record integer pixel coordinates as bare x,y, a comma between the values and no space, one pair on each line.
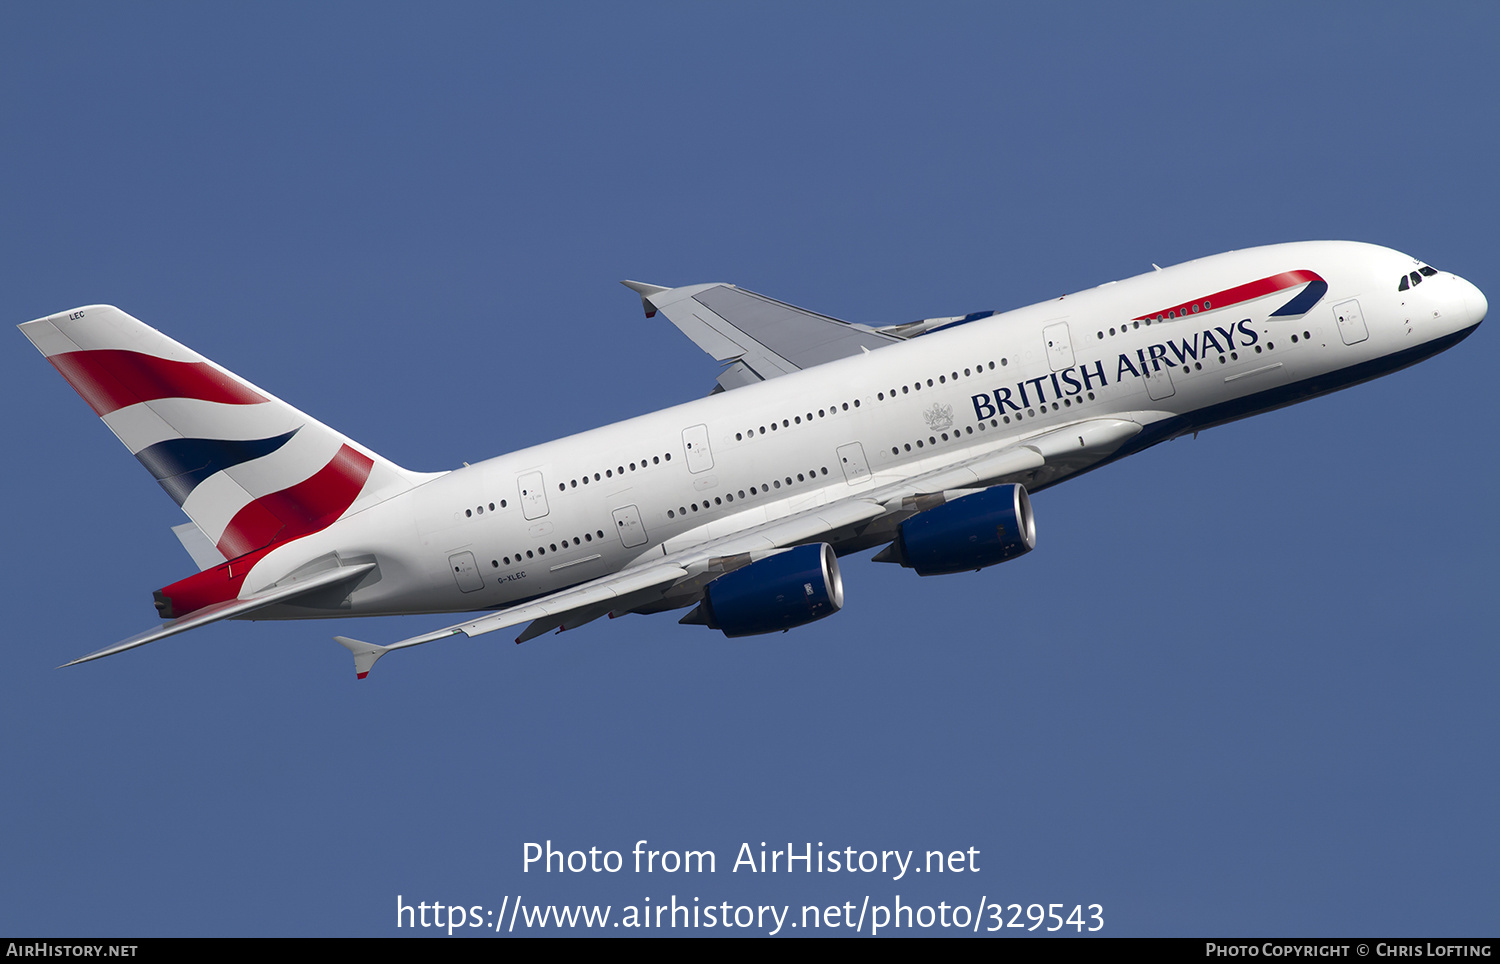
939,417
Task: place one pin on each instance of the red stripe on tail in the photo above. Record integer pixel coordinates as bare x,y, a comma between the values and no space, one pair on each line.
306,507
110,379
259,527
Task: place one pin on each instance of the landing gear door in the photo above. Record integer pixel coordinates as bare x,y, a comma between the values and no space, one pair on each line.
695,445
1351,322
1059,346
533,495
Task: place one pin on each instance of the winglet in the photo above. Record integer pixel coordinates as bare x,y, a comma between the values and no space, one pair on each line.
645,291
365,654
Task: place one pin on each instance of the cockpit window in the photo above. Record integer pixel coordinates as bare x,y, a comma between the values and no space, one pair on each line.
1415,278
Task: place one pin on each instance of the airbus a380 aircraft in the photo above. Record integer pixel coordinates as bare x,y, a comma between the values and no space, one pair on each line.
822,438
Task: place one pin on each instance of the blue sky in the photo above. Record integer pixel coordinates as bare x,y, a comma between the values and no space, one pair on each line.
1244,686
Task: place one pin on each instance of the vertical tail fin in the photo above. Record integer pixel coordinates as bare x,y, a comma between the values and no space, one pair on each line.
247,468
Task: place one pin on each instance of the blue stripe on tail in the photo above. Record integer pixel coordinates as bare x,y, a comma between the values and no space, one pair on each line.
179,464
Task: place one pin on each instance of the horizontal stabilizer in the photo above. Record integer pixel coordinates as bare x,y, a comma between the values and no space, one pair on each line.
231,608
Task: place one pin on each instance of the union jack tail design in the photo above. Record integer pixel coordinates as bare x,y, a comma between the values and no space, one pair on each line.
248,469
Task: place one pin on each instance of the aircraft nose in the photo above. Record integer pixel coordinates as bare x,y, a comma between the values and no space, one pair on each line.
1476,305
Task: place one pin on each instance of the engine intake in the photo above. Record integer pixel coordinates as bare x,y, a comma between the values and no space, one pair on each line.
979,530
773,594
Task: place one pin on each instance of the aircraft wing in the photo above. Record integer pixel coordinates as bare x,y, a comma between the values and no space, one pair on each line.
641,585
560,610
760,337
694,559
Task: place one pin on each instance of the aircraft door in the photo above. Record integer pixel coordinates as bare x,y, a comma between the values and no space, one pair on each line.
852,460
1351,323
628,525
695,443
1059,346
466,571
1159,383
533,495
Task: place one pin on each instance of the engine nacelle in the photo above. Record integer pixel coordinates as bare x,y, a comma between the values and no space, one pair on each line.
775,593
978,530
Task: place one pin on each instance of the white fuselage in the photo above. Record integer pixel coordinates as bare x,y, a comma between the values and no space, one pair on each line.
554,515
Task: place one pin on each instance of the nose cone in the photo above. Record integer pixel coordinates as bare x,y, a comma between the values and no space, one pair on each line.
1475,304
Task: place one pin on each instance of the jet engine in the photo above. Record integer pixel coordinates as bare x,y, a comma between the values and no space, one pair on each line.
975,531
778,592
